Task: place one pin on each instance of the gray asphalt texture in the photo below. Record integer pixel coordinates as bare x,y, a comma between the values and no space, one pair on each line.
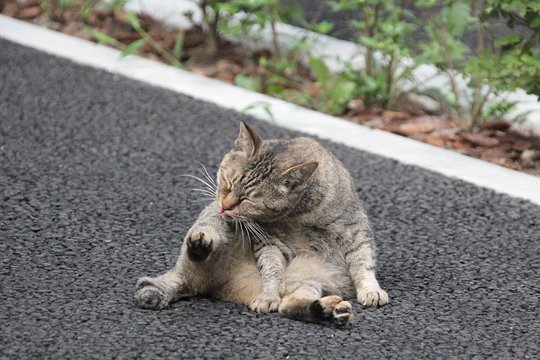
92,199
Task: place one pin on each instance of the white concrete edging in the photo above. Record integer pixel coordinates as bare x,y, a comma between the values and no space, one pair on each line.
287,115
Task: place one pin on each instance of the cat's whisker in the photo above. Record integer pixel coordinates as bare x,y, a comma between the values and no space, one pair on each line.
264,237
248,231
210,187
242,232
236,231
257,232
207,175
204,191
250,228
207,178
206,198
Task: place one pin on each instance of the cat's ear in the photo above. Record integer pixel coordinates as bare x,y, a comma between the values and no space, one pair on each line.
247,140
298,174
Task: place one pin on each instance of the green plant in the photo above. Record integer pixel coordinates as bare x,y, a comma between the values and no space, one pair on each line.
514,60
500,108
87,8
265,106
448,52
147,39
55,9
336,89
504,64
213,16
384,29
173,58
114,4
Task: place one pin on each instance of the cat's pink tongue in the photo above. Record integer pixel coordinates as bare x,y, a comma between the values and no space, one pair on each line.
222,213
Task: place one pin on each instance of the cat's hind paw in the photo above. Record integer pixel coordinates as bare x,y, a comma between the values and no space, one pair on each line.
265,303
333,308
377,297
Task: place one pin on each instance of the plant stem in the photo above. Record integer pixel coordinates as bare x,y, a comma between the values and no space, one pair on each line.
212,35
371,31
477,116
275,41
389,80
478,100
317,16
451,72
161,51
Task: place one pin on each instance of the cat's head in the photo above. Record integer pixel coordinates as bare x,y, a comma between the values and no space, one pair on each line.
260,179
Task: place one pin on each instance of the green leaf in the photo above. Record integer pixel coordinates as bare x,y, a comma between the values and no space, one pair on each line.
133,21
176,63
178,44
341,93
265,106
247,82
509,40
319,69
370,42
323,27
103,38
133,47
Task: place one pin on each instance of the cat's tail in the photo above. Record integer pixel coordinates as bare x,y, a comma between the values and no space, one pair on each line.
331,309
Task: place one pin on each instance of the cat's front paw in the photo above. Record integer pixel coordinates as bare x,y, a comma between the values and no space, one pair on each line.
265,303
372,297
148,296
199,246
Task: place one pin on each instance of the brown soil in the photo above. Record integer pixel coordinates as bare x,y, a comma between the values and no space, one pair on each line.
498,141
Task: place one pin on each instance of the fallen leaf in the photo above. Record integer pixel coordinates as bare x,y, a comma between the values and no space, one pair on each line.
394,115
208,71
499,124
228,66
29,12
435,140
410,129
480,139
460,146
521,145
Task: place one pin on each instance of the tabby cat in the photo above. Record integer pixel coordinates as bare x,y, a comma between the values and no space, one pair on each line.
310,242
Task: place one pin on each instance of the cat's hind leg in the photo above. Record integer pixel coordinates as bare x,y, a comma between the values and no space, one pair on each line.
330,308
305,283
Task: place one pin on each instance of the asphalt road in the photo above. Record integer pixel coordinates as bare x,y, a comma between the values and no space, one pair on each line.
92,199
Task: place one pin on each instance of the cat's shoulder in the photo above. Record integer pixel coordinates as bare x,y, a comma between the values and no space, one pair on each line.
305,141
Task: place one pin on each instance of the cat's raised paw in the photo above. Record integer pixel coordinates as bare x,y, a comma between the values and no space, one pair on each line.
377,297
264,303
199,246
148,296
333,308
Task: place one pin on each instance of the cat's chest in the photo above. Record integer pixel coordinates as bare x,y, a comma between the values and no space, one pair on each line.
299,236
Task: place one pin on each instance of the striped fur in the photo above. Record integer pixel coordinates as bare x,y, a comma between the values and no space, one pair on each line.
310,242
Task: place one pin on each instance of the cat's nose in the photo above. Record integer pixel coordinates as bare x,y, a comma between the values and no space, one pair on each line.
229,201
